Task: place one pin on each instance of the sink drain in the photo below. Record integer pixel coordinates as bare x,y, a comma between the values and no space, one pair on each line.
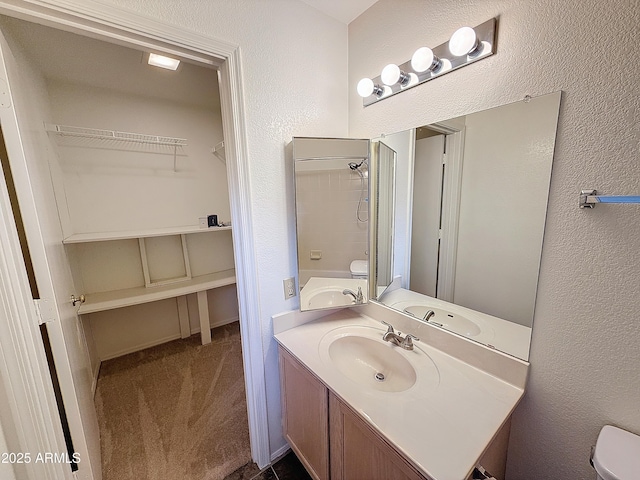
379,377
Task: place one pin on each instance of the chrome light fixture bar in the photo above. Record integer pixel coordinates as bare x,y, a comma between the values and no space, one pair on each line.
467,45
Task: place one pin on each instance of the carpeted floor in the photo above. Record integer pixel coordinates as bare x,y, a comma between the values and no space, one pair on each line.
176,411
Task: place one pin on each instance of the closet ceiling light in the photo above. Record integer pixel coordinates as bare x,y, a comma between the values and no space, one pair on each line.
163,62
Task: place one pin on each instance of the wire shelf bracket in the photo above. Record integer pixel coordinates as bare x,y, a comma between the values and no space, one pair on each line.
589,198
219,152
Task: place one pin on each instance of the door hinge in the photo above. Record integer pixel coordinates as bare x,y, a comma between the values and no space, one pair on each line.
444,158
45,310
440,234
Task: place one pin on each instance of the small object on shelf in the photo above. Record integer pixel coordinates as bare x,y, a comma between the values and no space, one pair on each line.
212,221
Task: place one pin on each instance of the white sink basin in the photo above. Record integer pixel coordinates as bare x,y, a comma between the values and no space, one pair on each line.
329,297
360,354
372,364
453,322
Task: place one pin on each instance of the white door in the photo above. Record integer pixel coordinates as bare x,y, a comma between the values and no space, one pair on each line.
21,119
425,226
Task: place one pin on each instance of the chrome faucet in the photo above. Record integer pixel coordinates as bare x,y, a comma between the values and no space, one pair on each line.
358,297
428,315
396,339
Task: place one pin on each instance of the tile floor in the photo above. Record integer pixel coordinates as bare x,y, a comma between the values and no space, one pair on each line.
287,468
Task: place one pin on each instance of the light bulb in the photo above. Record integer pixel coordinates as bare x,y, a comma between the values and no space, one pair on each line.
390,74
423,60
365,87
463,41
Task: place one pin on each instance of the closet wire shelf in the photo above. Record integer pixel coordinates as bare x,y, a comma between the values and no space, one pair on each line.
113,135
589,198
99,134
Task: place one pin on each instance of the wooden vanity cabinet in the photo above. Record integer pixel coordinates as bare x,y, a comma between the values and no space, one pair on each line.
305,414
334,442
359,453
320,427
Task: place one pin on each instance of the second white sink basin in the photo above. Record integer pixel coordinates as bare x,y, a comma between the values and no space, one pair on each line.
329,297
455,323
360,354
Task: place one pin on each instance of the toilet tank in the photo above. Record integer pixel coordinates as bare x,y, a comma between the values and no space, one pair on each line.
616,455
359,269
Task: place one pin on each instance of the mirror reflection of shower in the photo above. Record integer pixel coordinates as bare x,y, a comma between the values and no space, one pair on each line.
363,171
331,181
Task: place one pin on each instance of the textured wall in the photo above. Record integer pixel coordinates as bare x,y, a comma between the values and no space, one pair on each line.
294,64
585,356
104,178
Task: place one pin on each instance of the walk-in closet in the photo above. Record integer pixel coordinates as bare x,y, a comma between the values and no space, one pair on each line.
134,157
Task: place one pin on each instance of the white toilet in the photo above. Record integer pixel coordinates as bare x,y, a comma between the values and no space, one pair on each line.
616,455
359,269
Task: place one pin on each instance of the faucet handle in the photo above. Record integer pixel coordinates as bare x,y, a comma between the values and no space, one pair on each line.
389,327
407,343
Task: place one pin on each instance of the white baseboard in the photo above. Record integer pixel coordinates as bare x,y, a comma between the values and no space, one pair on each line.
137,348
159,341
94,382
216,324
281,452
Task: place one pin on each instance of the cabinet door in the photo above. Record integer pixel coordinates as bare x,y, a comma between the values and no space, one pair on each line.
359,453
305,415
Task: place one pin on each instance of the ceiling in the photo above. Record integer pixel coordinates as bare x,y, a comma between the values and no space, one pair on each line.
70,58
343,10
66,57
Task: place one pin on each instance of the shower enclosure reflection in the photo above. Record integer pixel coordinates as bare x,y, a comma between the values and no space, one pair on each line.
382,191
332,220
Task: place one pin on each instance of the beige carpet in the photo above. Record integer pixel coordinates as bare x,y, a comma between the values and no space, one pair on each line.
175,411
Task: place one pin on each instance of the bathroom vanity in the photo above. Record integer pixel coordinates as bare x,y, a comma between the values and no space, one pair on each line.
355,406
452,261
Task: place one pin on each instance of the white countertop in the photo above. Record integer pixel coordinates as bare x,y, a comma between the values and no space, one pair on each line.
442,426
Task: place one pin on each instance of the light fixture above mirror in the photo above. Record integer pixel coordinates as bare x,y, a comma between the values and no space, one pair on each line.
466,45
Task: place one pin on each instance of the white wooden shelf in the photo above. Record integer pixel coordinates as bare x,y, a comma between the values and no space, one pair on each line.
158,232
98,302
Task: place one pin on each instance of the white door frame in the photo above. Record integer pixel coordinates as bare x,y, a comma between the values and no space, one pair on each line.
117,26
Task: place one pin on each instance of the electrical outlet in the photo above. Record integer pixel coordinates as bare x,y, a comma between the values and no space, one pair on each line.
289,288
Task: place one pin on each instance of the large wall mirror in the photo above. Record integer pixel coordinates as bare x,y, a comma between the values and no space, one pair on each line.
332,221
468,221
